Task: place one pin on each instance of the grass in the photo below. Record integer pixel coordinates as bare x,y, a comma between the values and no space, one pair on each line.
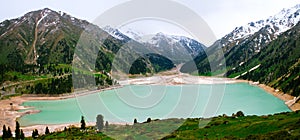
241,127
153,130
17,76
10,96
278,126
76,133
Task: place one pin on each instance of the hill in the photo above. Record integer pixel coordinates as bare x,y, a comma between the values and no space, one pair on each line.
265,51
46,47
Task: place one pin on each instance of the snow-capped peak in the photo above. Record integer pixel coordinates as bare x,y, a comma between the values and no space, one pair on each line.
178,48
135,35
115,33
171,39
280,22
162,39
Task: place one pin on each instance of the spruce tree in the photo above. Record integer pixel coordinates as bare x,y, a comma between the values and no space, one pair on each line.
35,133
4,132
17,131
135,121
82,123
47,130
22,136
148,120
9,134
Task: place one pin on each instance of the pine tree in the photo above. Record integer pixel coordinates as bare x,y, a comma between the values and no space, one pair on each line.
135,121
82,123
35,133
9,134
4,131
22,136
148,120
17,131
47,130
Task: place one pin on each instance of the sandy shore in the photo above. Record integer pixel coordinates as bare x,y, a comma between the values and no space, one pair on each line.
180,79
8,113
9,110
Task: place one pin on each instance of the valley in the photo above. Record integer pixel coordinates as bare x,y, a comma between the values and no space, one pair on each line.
168,78
51,62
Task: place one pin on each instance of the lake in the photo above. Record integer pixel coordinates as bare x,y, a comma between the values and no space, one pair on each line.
157,102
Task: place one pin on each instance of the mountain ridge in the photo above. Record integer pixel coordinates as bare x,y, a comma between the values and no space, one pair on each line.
46,43
280,22
179,49
241,50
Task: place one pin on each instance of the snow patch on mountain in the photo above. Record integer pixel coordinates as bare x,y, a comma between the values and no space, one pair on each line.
44,14
135,35
279,23
114,32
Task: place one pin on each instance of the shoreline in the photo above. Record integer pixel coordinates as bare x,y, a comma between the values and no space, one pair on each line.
9,114
57,127
289,100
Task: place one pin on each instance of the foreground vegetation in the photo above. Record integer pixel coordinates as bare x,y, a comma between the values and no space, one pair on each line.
278,126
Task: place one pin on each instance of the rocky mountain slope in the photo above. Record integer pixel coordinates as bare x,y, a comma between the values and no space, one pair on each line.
277,64
264,51
179,49
45,43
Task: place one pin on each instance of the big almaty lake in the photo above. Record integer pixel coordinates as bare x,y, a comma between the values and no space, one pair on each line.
124,104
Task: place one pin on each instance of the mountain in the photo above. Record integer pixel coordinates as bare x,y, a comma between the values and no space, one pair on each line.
179,49
46,43
259,51
26,35
116,33
161,40
277,64
273,26
244,42
135,35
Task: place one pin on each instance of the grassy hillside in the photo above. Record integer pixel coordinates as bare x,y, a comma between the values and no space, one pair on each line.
278,126
40,50
279,64
276,63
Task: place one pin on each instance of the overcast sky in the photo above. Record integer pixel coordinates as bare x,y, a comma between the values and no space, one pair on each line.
221,15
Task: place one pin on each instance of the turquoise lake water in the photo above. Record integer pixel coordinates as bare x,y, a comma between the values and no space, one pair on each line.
157,102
